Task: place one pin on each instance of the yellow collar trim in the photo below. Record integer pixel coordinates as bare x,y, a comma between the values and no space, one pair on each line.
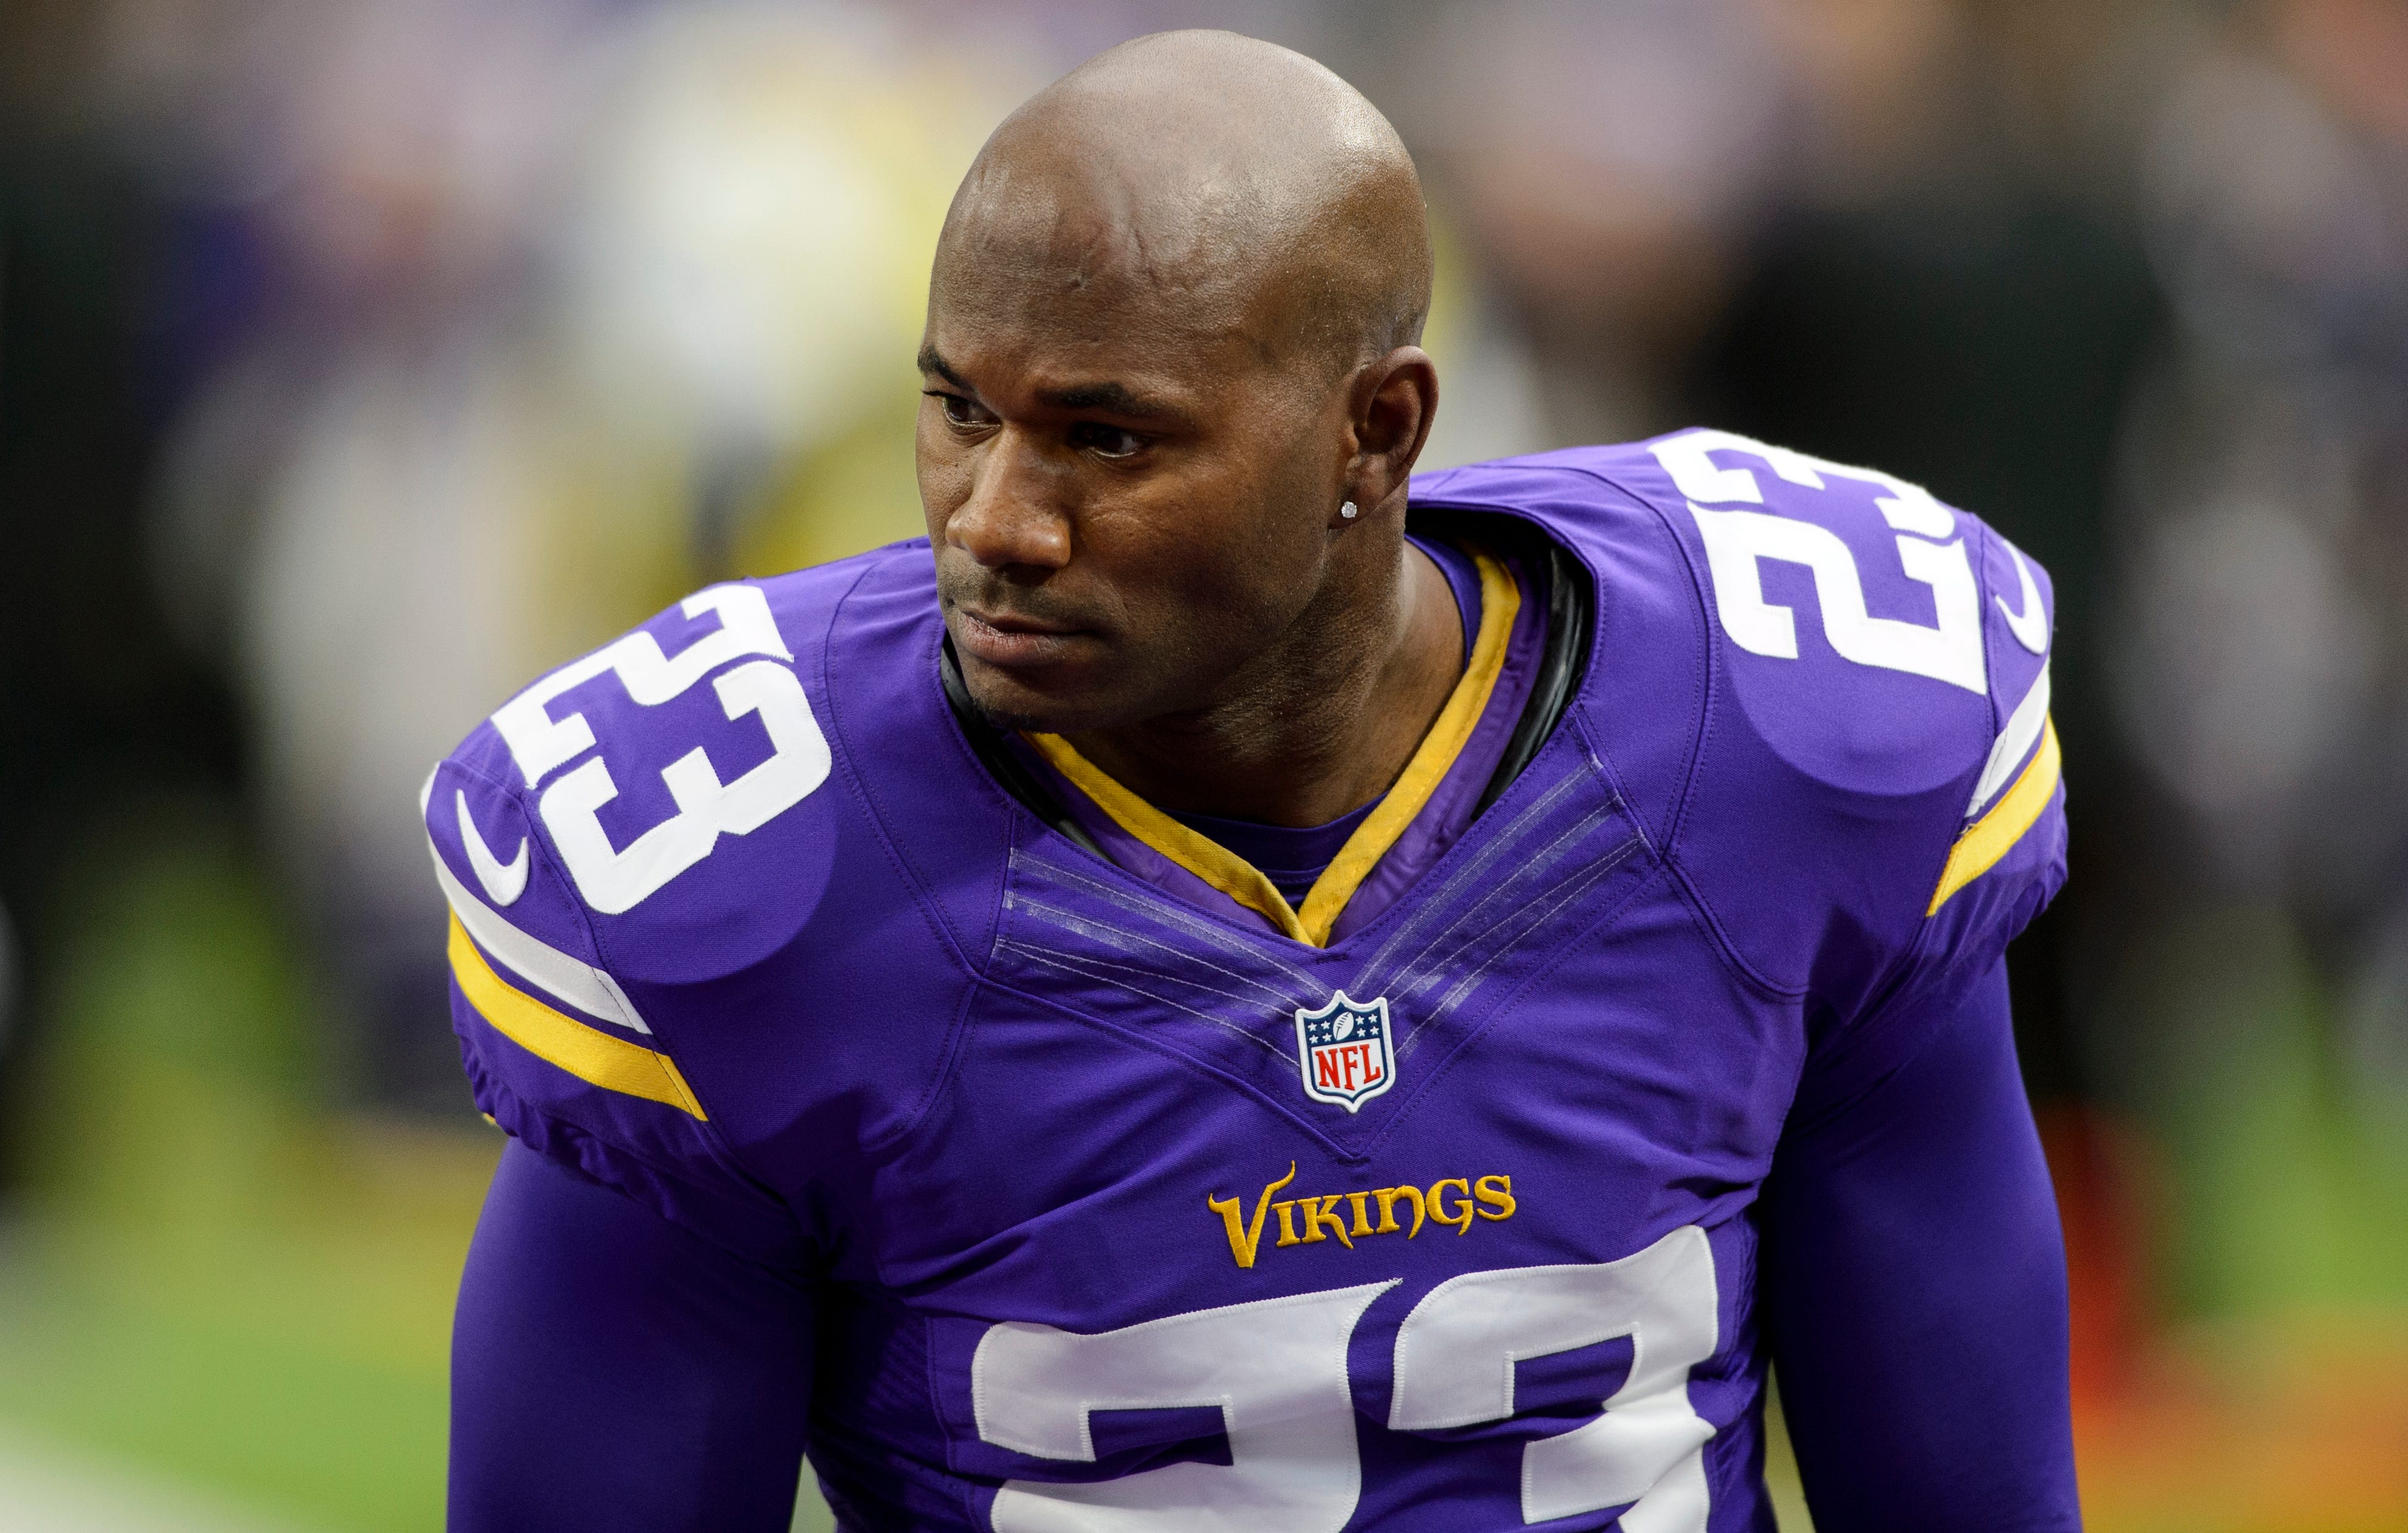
1501,602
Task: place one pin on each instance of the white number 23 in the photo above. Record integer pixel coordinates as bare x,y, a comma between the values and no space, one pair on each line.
614,879
1737,538
1277,1370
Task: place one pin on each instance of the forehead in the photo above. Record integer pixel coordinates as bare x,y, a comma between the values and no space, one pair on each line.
1028,276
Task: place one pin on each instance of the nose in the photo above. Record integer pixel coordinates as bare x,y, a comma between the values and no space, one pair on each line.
1009,518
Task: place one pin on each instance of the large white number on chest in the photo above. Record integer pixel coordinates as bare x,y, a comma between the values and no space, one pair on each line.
1454,1368
1276,1368
615,880
1736,541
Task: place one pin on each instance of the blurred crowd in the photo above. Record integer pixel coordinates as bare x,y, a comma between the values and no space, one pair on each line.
360,359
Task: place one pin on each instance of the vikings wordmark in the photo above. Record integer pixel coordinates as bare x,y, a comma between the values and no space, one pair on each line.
1450,1201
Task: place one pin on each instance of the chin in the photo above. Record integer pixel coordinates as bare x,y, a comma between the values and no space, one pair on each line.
1018,703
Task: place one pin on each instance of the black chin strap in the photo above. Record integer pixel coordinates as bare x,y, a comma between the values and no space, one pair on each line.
1570,620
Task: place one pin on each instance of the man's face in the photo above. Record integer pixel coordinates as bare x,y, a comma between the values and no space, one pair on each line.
1127,481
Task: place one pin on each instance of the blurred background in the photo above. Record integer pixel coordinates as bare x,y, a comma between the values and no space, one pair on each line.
360,359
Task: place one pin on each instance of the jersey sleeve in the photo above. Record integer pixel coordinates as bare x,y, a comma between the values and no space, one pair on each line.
1914,1290
689,1370
572,938
1877,806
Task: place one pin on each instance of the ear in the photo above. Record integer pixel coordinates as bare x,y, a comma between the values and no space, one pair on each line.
1391,402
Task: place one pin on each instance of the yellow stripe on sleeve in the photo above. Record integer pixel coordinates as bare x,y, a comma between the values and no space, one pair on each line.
1993,835
588,1053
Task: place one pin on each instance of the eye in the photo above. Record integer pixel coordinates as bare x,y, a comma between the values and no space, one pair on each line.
1106,441
961,411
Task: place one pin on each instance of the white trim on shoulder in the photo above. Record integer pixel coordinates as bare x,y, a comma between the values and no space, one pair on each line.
563,976
2013,744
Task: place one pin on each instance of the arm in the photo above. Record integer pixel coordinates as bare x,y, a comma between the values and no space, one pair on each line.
611,1371
1915,1293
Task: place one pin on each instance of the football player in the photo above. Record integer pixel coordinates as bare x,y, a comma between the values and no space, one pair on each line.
1231,990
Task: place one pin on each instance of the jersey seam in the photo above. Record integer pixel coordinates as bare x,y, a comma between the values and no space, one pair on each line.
1179,1056
941,1081
1717,941
940,928
1718,938
1581,700
972,973
1726,946
1988,598
1702,613
1873,1016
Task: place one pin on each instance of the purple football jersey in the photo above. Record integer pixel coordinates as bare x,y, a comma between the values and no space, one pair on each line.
1128,1213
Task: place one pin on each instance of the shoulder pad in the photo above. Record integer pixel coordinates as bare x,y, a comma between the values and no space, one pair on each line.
1879,736
630,848
669,778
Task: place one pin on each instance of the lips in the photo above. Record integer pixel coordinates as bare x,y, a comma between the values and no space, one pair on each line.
1011,640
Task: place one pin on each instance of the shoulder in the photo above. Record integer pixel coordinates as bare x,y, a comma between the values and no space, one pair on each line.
1817,680
659,859
696,740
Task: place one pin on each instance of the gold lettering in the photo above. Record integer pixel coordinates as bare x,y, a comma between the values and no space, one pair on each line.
1500,1198
1243,1242
1324,1210
1437,1210
1490,1197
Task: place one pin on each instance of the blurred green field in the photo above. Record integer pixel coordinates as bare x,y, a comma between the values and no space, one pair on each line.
210,1279
214,1283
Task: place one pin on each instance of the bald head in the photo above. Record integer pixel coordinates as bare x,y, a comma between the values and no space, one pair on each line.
1243,183
1172,394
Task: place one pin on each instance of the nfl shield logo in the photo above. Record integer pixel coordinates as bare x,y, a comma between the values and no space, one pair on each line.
1344,1051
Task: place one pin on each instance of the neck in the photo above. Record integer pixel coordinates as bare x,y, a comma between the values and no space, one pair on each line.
1320,723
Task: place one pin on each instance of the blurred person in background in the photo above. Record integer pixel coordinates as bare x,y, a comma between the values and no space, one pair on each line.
102,706
1952,285
2259,662
2264,516
344,506
541,358
1612,161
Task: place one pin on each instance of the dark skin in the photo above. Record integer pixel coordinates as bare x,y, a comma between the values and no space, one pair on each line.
1169,334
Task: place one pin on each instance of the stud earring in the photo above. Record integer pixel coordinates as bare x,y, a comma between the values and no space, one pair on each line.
1347,511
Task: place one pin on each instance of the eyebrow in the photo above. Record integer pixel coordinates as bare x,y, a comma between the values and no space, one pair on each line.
1110,398
931,362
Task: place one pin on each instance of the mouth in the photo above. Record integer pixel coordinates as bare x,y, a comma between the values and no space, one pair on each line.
1011,641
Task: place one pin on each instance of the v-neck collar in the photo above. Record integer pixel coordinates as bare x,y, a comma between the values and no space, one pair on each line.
1501,602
